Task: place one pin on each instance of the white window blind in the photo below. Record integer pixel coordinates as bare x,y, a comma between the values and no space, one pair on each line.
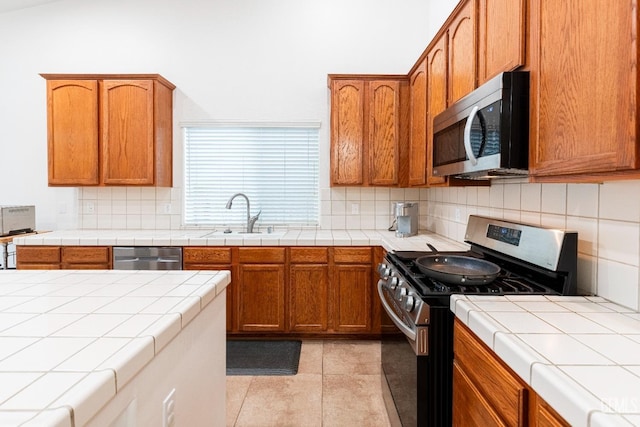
275,166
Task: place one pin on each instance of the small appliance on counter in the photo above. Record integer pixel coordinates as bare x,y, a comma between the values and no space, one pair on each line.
17,219
405,219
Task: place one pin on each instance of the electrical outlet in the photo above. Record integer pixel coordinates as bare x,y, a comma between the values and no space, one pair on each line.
167,208
355,208
168,409
457,214
90,207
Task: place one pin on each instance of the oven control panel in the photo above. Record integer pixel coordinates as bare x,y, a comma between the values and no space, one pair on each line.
402,298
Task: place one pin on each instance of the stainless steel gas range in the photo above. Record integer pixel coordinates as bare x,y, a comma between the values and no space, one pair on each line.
415,288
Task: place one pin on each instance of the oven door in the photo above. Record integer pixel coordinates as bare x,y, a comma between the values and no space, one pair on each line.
402,369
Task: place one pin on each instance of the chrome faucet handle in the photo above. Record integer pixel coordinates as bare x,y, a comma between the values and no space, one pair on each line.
252,221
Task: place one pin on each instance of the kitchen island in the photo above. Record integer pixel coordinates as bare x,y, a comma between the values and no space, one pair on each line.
580,354
107,347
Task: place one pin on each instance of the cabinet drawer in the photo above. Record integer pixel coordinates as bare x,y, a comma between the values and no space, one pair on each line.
38,254
86,254
501,388
260,255
206,255
352,255
309,255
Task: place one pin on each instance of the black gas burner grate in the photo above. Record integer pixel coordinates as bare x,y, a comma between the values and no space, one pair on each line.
507,283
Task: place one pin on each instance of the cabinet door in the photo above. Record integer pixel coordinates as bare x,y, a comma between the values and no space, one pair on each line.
38,257
347,132
501,37
351,299
418,129
86,257
469,405
308,297
261,297
127,117
384,132
462,53
436,98
584,88
72,129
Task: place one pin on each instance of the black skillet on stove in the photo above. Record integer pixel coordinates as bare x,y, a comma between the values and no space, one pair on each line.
457,269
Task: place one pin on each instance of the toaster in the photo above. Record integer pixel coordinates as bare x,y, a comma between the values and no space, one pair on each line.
17,219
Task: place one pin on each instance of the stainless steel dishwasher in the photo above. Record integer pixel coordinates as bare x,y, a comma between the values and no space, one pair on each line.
147,258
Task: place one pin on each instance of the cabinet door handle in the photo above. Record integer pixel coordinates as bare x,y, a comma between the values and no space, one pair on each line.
467,136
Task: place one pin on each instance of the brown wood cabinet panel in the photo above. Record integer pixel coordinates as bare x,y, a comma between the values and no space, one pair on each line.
86,257
351,299
369,129
261,293
72,128
545,416
436,98
384,132
502,390
308,297
300,255
501,37
127,131
584,108
206,254
347,132
418,129
461,75
109,129
41,255
86,254
470,408
262,255
357,255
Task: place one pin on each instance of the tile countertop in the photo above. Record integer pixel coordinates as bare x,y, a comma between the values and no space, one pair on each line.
580,354
69,339
386,239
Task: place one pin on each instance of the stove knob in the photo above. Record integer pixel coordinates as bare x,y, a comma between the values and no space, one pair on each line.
409,303
401,291
392,282
384,270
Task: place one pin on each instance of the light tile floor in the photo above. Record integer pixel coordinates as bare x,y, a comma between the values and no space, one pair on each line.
338,384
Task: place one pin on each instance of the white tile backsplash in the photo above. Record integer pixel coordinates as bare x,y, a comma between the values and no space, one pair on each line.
606,216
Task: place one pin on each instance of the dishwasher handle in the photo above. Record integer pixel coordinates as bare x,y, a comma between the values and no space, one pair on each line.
147,258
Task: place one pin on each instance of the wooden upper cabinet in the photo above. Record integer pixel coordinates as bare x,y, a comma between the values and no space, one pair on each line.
347,132
384,132
127,131
461,74
584,89
72,127
369,130
418,154
109,129
436,98
501,37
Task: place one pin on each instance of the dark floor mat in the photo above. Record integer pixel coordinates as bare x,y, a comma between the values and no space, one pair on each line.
259,357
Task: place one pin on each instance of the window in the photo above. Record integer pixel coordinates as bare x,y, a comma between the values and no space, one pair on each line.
275,166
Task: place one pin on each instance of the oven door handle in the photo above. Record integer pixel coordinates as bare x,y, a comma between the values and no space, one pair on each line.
408,332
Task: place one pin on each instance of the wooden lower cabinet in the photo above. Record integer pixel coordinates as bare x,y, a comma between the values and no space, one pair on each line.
351,290
308,290
213,258
486,392
86,258
63,257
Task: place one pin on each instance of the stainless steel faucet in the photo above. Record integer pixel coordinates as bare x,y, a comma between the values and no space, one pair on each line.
251,220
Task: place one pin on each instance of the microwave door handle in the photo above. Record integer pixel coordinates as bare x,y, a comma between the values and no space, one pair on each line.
467,136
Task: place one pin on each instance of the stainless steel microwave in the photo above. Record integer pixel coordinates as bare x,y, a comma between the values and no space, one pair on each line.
486,133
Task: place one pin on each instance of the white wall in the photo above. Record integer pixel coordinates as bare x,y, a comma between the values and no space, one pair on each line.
250,60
